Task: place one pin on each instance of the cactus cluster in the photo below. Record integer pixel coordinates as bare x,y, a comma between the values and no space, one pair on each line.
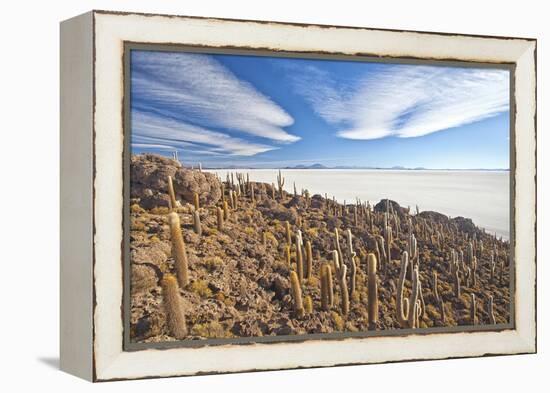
314,272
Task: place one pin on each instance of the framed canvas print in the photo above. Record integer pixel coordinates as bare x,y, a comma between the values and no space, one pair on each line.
246,195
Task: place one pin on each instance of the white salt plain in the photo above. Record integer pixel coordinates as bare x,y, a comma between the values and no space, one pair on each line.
483,196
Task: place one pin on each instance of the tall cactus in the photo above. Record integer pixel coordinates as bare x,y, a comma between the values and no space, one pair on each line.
171,193
327,293
288,233
344,295
196,201
296,291
456,284
388,238
173,306
372,291
308,304
287,255
352,263
473,318
280,183
492,319
178,250
225,211
407,308
299,255
197,223
441,304
338,249
219,216
309,260
434,285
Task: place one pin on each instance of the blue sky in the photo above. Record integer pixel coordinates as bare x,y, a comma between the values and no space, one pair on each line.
253,111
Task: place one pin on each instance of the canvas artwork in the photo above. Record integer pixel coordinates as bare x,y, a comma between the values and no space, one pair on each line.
277,198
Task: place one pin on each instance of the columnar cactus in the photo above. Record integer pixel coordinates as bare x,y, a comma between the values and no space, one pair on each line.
171,193
388,238
309,260
308,304
456,284
231,199
492,266
470,253
352,263
474,270
473,318
407,308
225,211
219,215
196,201
327,294
344,295
197,223
173,307
280,183
178,250
340,258
372,291
252,197
235,200
492,319
434,285
296,291
441,304
287,255
299,255
295,192
288,233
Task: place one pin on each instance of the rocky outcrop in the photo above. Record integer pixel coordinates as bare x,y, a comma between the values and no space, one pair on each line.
149,178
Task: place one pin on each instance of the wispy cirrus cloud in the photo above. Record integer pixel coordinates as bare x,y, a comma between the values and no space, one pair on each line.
405,100
197,89
150,130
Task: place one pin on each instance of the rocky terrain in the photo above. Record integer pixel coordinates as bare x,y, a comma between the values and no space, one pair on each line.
239,261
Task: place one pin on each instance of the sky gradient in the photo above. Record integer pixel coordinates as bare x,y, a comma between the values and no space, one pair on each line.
268,112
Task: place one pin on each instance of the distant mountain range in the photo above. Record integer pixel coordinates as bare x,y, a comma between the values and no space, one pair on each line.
394,168
397,168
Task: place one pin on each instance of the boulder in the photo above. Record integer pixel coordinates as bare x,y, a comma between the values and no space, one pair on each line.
149,181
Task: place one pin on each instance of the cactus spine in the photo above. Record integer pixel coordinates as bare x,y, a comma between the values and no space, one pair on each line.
173,307
172,194
178,250
372,291
296,294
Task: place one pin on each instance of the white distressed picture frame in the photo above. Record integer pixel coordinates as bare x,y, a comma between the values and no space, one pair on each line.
92,142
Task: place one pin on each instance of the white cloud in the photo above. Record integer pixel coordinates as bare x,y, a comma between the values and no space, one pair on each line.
151,130
200,90
407,100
